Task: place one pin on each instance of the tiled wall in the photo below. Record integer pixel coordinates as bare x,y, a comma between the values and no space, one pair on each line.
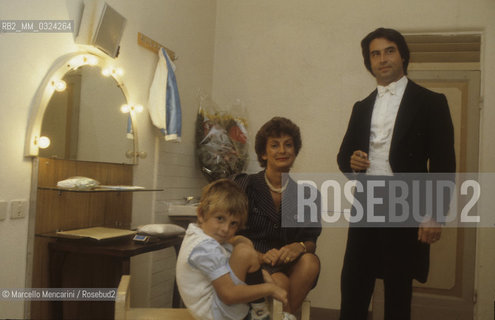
179,176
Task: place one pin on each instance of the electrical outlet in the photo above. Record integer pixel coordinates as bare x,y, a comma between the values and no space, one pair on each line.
3,210
18,209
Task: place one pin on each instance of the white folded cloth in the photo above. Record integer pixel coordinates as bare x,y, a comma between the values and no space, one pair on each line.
79,183
163,230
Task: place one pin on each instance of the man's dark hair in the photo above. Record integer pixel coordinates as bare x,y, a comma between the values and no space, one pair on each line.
275,128
391,35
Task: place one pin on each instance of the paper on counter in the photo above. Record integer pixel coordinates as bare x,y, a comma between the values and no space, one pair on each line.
98,233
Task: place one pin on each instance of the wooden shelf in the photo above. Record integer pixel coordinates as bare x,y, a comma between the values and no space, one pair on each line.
66,209
96,189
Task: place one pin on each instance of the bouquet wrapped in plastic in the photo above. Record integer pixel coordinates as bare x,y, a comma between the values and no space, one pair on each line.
221,141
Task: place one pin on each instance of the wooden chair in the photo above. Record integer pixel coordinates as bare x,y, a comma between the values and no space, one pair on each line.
123,310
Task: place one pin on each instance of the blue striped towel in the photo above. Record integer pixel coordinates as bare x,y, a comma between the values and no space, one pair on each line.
163,101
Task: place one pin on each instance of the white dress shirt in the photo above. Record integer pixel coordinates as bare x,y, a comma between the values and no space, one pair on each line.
382,126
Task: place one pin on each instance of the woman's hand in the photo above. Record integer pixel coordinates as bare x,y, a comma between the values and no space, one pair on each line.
291,252
284,255
270,257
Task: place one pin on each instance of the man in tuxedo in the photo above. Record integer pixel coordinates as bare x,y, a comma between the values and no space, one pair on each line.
400,127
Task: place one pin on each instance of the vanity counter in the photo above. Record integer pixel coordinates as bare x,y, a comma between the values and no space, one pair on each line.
93,263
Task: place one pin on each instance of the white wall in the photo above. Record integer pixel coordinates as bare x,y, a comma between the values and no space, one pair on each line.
302,60
25,60
187,27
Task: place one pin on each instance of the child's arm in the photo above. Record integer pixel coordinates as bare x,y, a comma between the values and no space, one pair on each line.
231,293
240,239
236,240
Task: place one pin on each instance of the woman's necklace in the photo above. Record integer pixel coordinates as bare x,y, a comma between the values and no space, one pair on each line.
275,189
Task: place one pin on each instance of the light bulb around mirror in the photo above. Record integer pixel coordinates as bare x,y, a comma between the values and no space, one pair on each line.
76,62
92,60
125,108
106,72
59,85
114,72
43,142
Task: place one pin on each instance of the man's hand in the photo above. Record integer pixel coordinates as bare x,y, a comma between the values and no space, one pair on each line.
429,231
359,161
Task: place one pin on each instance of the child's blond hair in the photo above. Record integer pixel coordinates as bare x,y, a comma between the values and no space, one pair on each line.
224,195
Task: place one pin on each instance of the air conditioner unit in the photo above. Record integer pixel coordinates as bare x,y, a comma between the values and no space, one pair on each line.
101,26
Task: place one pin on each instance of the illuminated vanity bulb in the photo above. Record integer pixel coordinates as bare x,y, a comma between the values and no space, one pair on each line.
125,108
59,85
92,60
106,72
112,72
82,60
43,142
76,62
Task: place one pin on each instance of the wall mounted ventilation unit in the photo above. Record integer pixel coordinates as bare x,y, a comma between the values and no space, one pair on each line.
102,27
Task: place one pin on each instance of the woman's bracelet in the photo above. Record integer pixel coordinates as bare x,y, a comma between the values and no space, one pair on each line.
304,247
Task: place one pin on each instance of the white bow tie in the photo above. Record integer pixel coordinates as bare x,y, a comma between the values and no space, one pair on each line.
390,88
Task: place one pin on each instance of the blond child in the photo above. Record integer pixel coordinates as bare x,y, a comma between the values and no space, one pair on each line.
214,264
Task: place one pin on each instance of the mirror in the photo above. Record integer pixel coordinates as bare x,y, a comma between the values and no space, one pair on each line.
84,121
82,118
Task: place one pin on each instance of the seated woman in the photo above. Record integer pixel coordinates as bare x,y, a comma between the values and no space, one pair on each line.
288,253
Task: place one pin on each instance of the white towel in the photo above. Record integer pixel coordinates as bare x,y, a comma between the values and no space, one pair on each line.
163,101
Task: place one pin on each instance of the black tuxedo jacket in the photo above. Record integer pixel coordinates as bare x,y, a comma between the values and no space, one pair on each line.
422,141
423,136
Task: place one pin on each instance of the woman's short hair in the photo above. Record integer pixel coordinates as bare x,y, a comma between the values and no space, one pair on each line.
224,195
391,35
275,128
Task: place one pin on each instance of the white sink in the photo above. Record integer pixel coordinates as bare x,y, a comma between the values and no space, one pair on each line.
187,210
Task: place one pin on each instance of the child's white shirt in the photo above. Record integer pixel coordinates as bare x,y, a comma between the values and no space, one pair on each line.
202,260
